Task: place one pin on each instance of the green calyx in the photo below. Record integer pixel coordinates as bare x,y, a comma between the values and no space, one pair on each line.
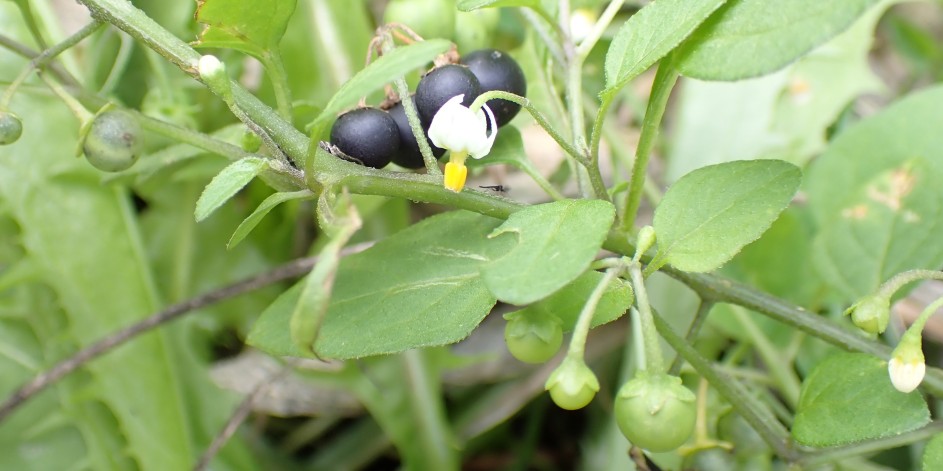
871,313
572,385
655,411
532,337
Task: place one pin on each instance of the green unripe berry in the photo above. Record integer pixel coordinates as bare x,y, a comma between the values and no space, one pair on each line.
572,385
11,128
872,313
531,337
113,142
655,411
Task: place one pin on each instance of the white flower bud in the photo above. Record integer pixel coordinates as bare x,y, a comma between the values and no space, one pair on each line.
907,374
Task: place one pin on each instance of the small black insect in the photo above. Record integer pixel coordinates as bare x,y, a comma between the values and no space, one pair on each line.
498,188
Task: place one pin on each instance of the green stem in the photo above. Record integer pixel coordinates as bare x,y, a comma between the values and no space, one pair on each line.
45,57
836,454
82,114
189,136
665,79
587,44
915,332
126,17
654,360
596,179
276,72
31,24
898,281
693,331
532,16
581,330
412,116
760,418
781,372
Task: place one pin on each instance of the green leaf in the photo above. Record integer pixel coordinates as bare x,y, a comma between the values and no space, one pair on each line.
876,198
567,303
251,26
650,34
388,67
711,213
419,288
555,243
469,5
744,39
246,226
227,183
933,454
783,115
98,275
849,398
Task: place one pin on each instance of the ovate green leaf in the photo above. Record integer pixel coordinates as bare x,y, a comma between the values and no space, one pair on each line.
421,287
650,34
555,243
227,183
748,38
875,195
849,398
251,26
246,226
711,213
567,303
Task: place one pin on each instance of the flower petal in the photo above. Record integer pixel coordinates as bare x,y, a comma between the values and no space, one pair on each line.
906,375
483,146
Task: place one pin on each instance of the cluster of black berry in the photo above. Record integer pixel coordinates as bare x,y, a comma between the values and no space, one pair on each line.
375,137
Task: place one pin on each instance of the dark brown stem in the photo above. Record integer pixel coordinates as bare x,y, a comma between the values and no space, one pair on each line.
289,270
236,419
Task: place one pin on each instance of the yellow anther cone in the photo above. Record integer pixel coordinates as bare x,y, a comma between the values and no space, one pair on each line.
455,174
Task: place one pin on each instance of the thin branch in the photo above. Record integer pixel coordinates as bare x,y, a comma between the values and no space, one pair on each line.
289,270
237,418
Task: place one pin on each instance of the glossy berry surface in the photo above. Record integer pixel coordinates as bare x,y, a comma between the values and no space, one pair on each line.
368,135
11,128
113,142
409,155
496,70
443,83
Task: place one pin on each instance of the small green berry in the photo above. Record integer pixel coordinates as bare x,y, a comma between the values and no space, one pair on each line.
113,142
655,411
532,337
11,128
572,385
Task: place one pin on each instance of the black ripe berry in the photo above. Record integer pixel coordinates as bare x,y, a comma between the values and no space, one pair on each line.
367,135
409,155
440,85
113,142
496,70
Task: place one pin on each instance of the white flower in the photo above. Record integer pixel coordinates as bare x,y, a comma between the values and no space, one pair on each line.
460,130
210,66
463,132
906,374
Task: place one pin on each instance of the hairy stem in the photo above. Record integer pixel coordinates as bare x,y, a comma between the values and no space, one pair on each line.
665,79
